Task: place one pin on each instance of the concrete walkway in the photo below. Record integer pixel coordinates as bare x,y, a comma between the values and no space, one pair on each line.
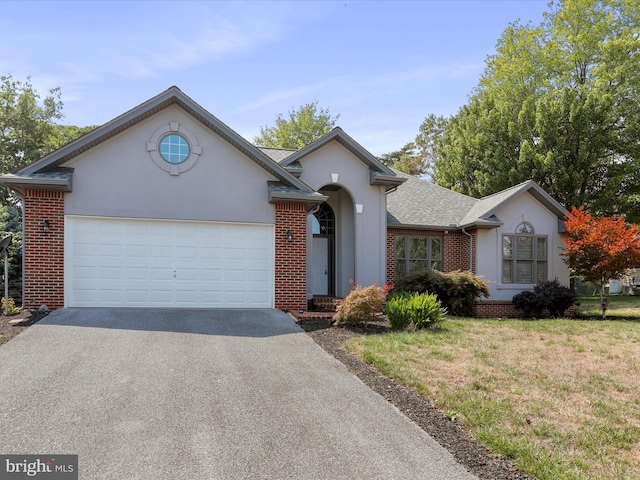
172,394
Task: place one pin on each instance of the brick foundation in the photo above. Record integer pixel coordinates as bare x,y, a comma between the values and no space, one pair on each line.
495,309
291,258
43,253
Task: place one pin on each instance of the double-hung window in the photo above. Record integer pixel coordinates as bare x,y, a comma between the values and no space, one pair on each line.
524,256
417,252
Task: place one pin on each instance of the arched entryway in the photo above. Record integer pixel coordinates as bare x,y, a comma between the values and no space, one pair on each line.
323,248
331,248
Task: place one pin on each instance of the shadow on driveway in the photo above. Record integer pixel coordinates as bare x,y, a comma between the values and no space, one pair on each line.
223,322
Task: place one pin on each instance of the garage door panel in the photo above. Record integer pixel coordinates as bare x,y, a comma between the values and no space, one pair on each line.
127,262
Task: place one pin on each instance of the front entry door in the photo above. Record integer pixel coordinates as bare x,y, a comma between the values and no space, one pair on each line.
320,272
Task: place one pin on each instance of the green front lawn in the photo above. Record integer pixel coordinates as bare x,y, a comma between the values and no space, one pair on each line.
618,305
559,397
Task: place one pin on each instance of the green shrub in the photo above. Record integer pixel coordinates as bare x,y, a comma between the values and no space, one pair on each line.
456,290
361,305
554,297
398,311
11,307
529,303
426,310
416,310
548,295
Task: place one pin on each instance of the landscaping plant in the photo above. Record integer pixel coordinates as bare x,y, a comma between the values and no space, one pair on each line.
414,310
600,249
426,310
361,305
456,290
547,296
398,311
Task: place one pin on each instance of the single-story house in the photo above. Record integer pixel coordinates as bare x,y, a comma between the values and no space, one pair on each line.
166,206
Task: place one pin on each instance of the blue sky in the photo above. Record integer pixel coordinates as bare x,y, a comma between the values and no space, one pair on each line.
383,66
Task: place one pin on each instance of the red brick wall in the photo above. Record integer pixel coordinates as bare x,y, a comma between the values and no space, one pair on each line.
291,258
495,309
455,254
505,309
43,253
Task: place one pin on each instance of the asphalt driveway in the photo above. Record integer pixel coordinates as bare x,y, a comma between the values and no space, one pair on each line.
173,394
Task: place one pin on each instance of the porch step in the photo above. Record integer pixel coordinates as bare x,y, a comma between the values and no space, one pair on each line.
323,304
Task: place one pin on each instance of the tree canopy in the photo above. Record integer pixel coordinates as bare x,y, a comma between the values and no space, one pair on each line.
419,157
304,126
600,249
28,128
558,104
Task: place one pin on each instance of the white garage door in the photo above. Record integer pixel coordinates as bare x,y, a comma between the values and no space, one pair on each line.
153,263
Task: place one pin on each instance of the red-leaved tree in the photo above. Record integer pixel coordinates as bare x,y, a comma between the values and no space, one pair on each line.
600,249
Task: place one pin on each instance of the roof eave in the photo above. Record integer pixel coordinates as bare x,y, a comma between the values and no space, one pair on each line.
289,197
21,183
409,226
482,224
376,178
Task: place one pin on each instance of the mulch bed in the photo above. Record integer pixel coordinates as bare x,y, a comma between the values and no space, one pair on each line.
468,452
12,325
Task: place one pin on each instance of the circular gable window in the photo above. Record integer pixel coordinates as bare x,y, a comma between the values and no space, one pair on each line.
174,148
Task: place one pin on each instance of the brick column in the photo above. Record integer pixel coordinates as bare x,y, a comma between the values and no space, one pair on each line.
391,256
291,258
43,253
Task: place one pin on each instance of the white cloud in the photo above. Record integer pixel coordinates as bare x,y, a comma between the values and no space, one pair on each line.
289,94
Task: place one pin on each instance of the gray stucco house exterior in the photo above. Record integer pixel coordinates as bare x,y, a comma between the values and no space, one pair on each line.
166,206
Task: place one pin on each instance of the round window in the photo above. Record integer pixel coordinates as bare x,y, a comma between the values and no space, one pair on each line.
174,148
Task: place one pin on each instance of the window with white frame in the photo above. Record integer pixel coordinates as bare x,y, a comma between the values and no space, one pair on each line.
524,256
417,252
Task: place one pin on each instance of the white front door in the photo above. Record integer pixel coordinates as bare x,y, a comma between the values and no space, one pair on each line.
320,272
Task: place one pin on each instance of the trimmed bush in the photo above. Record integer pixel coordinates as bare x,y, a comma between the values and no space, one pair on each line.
548,295
456,290
361,305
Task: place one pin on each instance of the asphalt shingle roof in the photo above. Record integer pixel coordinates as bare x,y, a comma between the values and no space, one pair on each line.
277,154
419,202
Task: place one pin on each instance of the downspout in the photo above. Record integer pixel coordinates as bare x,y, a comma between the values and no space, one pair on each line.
470,248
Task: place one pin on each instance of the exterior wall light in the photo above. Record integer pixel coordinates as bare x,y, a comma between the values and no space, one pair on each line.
289,236
45,226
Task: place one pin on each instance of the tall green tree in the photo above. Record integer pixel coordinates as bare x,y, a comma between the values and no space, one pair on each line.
27,122
304,126
557,103
28,128
419,157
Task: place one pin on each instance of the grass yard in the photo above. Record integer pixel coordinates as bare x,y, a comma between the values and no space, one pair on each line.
560,397
619,306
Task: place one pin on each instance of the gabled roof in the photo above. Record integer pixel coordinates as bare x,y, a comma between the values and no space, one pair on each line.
483,212
421,204
171,96
379,173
